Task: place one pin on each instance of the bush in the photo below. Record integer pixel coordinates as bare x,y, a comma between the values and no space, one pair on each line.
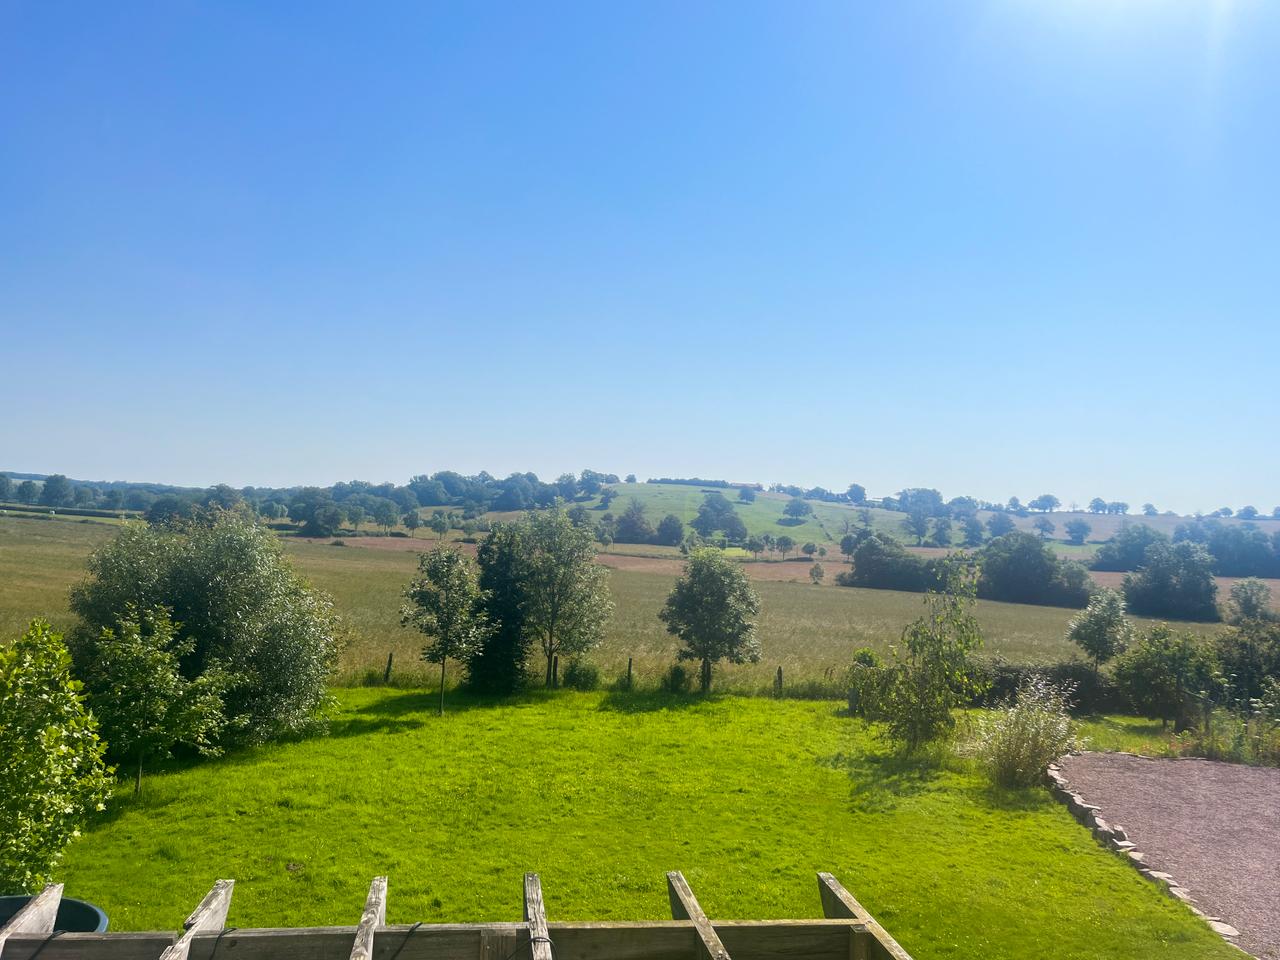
1249,656
1175,582
51,771
237,600
1167,675
676,680
582,675
1092,692
885,565
1022,737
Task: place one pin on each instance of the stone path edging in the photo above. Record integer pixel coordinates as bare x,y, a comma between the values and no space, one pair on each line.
1114,837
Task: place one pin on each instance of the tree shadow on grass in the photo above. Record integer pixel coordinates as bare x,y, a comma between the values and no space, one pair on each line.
652,701
401,703
881,778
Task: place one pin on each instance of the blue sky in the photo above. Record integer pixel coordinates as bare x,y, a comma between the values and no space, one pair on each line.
999,247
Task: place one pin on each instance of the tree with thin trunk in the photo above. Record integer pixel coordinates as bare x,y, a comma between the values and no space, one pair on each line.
444,602
1102,630
566,592
713,611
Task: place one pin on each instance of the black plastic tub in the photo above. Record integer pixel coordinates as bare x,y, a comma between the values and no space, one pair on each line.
74,916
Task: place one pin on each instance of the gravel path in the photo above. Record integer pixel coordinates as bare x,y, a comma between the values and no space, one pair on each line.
1215,827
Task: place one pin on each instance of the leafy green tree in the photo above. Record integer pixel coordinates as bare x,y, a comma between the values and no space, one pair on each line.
941,532
1249,655
1164,674
355,515
734,528
237,599
932,674
57,491
816,574
1020,568
28,492
1118,507
497,665
713,611
1045,503
412,520
1128,548
633,526
1149,510
917,524
6,487
857,494
785,545
325,521
670,530
884,564
747,494
1248,513
144,705
1102,630
809,549
756,546
52,775
797,508
444,602
998,524
1097,505
1251,600
972,527
566,596
439,524
1077,531
1175,582
386,514
1045,526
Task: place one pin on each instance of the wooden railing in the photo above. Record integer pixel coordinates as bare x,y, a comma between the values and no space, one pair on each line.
849,932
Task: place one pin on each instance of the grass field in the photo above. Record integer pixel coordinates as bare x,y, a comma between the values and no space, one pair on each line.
601,795
809,631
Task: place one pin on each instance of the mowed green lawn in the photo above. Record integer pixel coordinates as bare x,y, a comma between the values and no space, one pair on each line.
600,795
811,632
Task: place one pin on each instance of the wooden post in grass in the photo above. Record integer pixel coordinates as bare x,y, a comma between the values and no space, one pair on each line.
374,916
777,684
209,916
386,674
684,906
535,915
36,916
628,673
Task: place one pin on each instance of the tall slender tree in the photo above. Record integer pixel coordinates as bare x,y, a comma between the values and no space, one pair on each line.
444,602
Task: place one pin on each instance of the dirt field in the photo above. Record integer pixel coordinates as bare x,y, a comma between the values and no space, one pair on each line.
1215,827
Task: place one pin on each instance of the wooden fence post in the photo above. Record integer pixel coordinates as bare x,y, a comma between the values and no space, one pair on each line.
628,673
386,674
777,684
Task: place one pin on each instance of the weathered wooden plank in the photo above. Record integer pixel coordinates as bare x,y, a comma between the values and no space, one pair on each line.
653,940
36,916
535,915
838,902
210,915
684,906
374,916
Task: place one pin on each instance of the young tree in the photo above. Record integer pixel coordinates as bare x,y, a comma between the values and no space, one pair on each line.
52,775
816,574
28,492
785,545
412,521
1045,526
809,549
566,596
755,546
444,602
932,674
498,663
1251,600
355,515
1102,631
713,610
439,524
1077,531
144,705
1164,673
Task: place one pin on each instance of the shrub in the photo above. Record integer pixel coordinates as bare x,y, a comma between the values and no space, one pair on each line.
1017,741
51,770
885,565
1165,675
676,680
1249,656
582,675
865,682
240,604
1251,600
1175,582
1092,693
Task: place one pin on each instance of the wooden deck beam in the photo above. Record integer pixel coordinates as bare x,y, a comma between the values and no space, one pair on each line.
374,916
36,916
684,906
535,915
837,902
208,917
